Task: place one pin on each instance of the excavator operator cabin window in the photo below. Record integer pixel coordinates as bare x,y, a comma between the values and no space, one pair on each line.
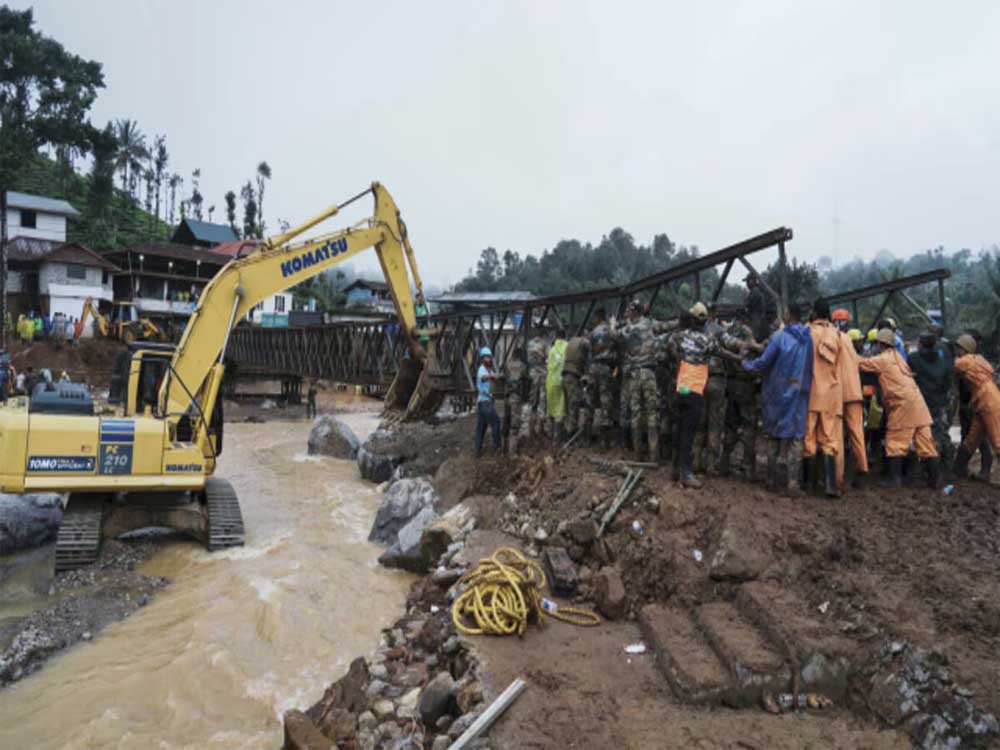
151,374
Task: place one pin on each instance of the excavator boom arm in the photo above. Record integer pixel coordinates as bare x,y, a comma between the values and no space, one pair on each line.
244,282
89,308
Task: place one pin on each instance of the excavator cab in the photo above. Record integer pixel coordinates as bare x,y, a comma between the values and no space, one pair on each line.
138,373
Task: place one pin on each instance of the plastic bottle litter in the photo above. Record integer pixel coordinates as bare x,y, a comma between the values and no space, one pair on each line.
948,489
637,527
697,555
635,648
549,606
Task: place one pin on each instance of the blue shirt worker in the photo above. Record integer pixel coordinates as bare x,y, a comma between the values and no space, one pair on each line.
486,412
786,366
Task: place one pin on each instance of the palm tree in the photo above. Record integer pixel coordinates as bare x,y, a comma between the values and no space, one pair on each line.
131,150
263,173
173,183
160,160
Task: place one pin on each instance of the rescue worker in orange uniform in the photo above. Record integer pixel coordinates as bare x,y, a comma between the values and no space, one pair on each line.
854,420
977,374
824,423
909,419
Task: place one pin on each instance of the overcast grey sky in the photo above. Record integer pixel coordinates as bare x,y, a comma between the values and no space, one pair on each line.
517,124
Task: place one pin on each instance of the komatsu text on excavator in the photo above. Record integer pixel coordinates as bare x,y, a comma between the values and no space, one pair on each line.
152,463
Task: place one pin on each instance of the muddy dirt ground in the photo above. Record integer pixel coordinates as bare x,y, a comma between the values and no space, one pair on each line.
90,362
882,606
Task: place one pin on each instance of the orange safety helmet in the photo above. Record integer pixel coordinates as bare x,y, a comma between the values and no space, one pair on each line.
841,314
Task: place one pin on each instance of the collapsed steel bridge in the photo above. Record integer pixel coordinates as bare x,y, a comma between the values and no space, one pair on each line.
368,352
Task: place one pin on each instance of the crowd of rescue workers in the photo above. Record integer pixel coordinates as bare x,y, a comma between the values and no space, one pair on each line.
834,403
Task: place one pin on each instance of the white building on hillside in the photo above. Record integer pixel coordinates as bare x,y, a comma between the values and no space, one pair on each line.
37,217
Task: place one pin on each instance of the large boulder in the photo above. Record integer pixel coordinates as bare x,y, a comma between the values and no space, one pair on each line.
377,459
406,552
404,499
440,534
302,734
736,557
435,698
455,480
331,437
28,521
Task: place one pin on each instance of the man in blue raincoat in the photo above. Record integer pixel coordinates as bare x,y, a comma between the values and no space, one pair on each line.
786,366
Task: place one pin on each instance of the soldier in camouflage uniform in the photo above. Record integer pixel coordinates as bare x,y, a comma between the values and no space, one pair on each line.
535,402
599,408
742,405
639,389
517,386
691,347
666,378
708,440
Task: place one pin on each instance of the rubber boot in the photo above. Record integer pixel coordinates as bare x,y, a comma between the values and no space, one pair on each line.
911,468
852,472
985,465
771,480
587,434
725,467
805,471
676,473
894,478
711,469
830,476
637,447
512,443
794,466
750,469
654,446
688,479
815,472
794,489
961,467
932,467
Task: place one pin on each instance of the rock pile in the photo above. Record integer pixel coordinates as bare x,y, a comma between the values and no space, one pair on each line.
911,689
409,524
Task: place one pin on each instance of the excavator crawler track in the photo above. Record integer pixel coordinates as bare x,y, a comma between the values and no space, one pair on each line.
225,520
79,537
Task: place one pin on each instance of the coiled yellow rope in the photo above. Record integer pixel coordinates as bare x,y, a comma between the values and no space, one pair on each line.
503,592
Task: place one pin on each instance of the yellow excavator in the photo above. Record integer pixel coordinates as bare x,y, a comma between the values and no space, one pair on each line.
152,463
125,324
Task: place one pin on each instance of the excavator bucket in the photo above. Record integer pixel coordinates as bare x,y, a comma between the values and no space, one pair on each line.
418,389
404,384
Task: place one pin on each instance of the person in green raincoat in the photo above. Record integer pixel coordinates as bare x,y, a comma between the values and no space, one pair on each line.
554,397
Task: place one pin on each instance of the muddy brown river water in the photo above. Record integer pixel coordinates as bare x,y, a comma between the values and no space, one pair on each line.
238,636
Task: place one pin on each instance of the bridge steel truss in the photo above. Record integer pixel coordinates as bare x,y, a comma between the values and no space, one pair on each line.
368,352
